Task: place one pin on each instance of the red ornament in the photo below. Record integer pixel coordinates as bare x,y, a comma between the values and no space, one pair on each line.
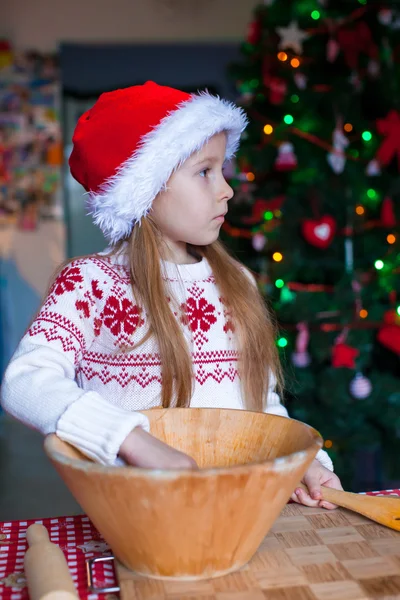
389,127
277,89
319,233
261,206
344,356
254,32
388,217
389,333
356,40
389,336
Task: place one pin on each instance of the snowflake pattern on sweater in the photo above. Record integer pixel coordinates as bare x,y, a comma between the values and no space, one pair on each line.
82,372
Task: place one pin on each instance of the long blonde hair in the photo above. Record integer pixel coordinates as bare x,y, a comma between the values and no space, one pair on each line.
254,326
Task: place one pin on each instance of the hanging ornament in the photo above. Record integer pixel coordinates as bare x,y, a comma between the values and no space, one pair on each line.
337,158
373,168
301,357
292,37
286,159
300,80
385,16
343,355
356,287
332,50
356,40
254,31
360,387
258,241
319,232
277,90
374,68
356,81
389,333
244,194
261,206
388,217
390,147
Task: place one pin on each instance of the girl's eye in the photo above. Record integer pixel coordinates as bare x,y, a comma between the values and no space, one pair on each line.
204,172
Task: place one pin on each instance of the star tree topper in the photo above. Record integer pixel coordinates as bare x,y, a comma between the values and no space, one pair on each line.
292,37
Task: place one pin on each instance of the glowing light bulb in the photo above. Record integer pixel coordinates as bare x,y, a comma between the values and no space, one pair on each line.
282,342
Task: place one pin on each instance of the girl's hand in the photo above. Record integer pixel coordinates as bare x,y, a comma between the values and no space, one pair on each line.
316,476
141,449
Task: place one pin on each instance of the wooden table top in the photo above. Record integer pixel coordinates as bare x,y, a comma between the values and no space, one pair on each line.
310,554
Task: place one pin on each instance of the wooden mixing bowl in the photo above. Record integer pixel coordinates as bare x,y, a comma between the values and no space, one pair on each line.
194,524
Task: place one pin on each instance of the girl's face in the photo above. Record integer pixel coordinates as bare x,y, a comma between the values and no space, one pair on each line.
191,210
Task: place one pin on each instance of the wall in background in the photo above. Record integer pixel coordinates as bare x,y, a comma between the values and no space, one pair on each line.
43,24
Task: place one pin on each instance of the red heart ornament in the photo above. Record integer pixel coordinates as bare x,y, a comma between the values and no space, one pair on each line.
319,233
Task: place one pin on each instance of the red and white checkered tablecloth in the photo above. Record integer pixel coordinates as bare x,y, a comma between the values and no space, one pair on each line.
78,539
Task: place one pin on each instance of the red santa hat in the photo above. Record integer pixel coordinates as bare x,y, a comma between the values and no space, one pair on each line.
130,142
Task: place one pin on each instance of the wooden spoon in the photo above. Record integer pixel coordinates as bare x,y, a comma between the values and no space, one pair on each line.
382,509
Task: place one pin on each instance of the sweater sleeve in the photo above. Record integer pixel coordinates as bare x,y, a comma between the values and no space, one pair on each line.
39,386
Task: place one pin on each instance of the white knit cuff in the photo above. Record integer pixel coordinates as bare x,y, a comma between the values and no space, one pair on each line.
324,459
98,428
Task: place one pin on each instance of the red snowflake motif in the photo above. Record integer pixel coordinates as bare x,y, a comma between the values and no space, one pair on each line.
97,323
229,326
199,314
83,305
67,280
97,293
121,316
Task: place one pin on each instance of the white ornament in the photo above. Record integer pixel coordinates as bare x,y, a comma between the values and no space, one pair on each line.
373,168
373,68
292,37
385,16
286,159
360,387
356,81
337,158
301,358
332,50
258,241
300,80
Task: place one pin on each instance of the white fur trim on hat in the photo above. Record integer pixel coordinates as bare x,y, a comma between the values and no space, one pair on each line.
128,195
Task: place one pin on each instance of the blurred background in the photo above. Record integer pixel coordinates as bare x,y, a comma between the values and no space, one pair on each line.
317,192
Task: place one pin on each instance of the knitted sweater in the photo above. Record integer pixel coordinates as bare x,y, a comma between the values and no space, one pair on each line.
70,375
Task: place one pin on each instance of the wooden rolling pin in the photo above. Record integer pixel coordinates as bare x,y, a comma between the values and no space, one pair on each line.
46,570
382,509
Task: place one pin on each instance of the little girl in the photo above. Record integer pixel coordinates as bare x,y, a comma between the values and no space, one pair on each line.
164,316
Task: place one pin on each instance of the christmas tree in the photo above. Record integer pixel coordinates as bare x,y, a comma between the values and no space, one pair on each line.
316,214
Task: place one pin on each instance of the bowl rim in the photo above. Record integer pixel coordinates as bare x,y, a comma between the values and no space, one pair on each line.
283,463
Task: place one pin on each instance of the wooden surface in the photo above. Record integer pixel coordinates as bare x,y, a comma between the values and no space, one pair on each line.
310,554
